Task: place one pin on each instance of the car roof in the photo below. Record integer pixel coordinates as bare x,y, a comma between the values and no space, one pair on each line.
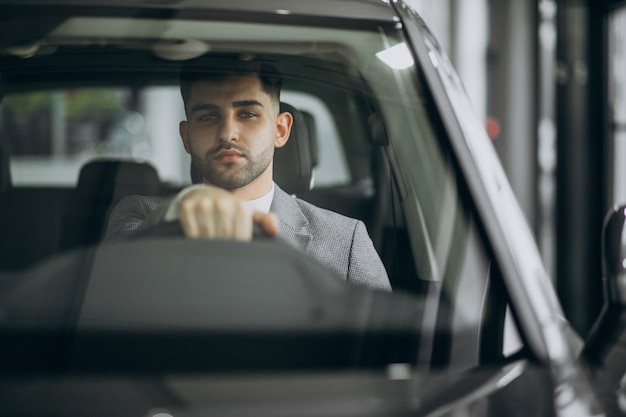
24,24
374,10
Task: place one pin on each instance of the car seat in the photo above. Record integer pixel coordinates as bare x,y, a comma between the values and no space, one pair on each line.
102,183
29,220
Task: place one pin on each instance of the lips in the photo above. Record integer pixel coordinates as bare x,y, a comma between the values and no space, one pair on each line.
228,155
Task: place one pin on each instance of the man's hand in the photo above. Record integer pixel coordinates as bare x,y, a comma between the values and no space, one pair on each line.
214,213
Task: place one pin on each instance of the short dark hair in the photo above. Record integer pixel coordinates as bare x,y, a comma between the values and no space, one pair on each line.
210,67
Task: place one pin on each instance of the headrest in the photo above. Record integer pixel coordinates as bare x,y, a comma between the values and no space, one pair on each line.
114,178
309,121
293,163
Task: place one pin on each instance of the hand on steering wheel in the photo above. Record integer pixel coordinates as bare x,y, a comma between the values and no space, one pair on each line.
214,213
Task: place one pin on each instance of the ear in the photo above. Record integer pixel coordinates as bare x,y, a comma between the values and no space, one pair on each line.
283,128
182,129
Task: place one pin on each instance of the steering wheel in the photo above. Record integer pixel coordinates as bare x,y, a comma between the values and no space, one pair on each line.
174,229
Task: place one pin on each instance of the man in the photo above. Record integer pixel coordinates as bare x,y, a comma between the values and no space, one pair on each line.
233,126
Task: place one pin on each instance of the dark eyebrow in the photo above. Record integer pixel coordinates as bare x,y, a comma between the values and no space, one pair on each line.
245,103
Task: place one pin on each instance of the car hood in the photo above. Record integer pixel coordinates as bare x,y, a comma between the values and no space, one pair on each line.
392,391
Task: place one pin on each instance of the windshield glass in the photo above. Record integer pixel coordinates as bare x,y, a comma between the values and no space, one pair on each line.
91,114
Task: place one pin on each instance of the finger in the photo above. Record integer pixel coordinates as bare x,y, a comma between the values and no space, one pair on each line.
188,220
242,224
224,216
205,218
267,222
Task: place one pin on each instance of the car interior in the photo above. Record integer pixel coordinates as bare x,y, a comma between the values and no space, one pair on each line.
61,218
43,222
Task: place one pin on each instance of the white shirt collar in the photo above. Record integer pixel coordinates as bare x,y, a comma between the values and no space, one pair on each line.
264,202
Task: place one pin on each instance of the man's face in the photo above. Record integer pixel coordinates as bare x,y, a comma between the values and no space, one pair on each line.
231,131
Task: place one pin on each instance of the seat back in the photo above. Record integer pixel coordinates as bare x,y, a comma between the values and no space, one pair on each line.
29,220
30,224
101,184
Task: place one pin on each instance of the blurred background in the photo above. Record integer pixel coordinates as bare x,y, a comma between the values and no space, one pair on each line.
548,77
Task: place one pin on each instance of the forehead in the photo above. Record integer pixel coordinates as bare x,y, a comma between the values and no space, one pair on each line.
229,87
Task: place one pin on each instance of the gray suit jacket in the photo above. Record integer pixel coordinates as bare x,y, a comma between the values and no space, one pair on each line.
339,242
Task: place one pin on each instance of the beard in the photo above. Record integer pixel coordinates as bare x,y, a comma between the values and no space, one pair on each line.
232,175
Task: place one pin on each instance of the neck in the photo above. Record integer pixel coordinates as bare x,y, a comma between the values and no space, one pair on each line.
256,189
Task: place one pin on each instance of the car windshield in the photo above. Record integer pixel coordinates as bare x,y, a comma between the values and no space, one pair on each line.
90,114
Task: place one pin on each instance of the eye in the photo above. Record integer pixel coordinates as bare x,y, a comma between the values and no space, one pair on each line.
207,117
247,114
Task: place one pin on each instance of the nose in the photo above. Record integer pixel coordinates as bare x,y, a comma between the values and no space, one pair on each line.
229,130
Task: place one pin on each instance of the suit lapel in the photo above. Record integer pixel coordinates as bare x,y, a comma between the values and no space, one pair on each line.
292,224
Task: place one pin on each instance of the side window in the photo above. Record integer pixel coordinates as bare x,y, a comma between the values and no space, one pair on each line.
512,342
